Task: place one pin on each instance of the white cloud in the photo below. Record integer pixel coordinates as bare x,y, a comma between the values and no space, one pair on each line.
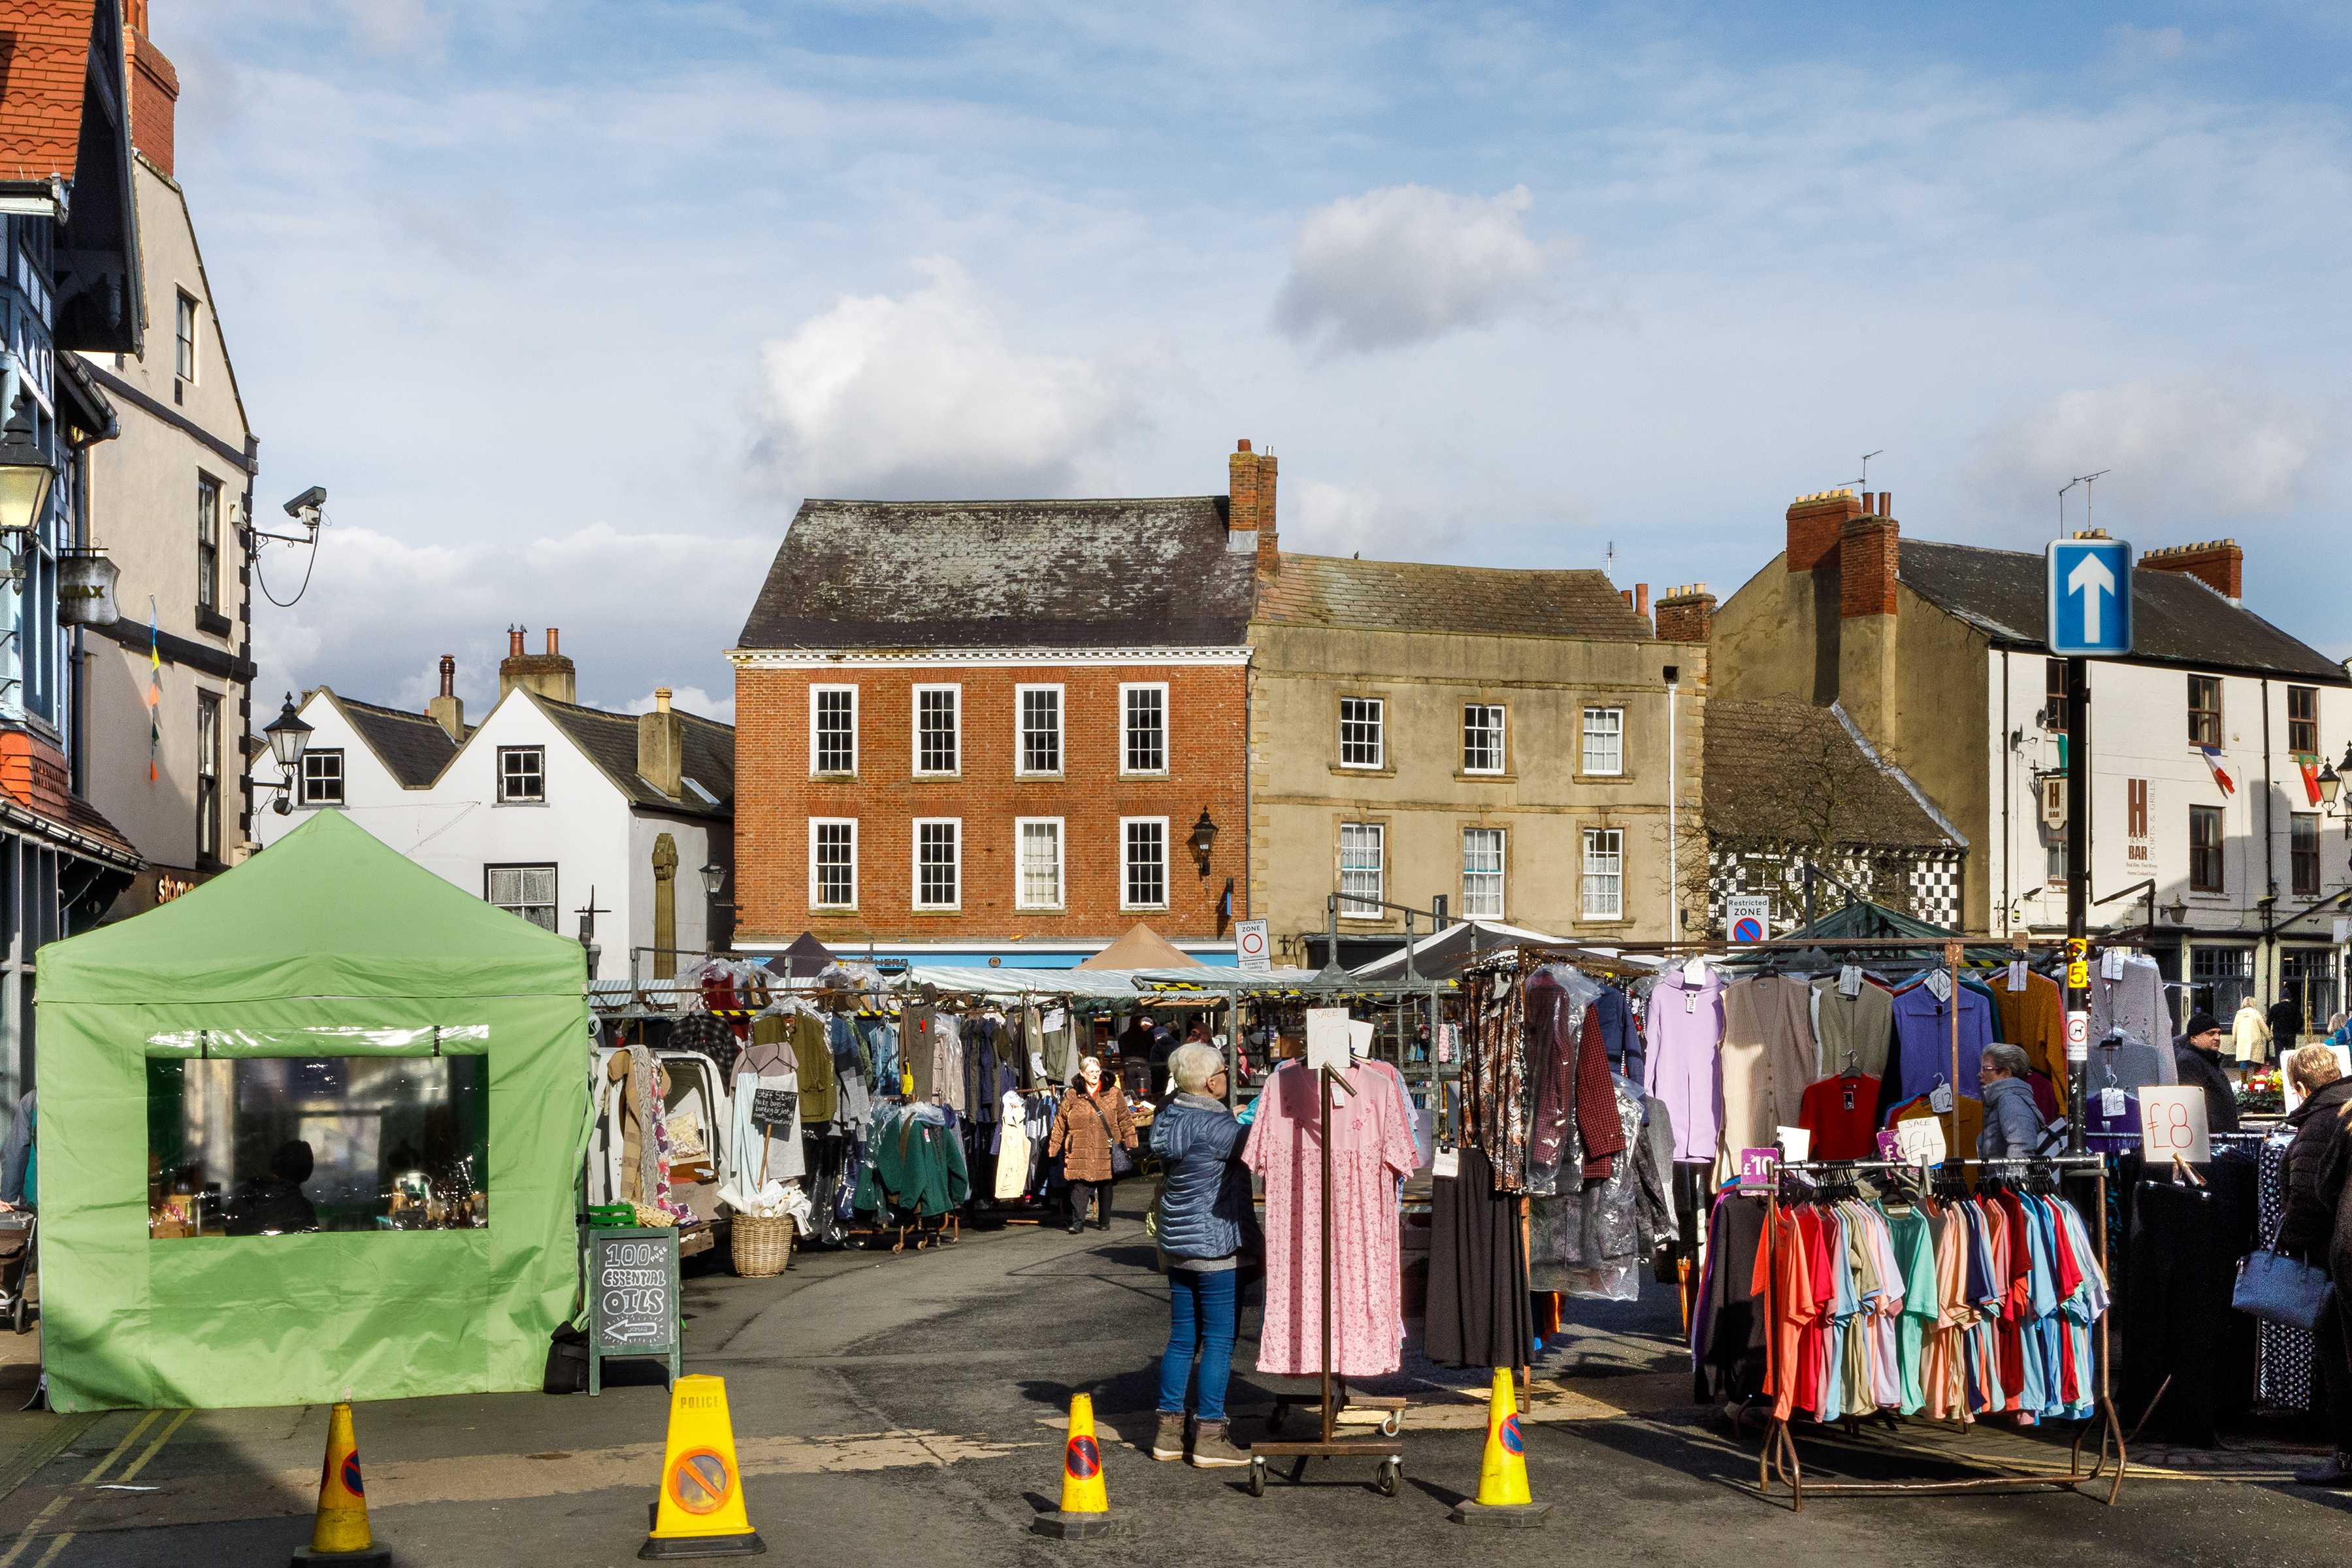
396,28
2182,448
1407,263
924,395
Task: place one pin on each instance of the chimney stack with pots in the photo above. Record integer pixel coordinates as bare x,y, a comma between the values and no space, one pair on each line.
450,708
550,674
1686,614
661,747
1249,503
2218,563
154,87
1816,523
1868,560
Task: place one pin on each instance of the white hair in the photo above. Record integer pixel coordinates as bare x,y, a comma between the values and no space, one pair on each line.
1194,1065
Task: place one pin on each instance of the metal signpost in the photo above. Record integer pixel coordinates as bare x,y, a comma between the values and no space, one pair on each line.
632,1297
2089,617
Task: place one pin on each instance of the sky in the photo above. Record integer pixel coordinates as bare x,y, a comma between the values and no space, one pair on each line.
569,305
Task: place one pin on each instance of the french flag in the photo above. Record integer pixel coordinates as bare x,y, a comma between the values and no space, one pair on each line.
2221,774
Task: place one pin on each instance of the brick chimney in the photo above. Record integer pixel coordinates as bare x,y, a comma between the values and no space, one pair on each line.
1686,614
661,747
1815,524
2218,563
1249,508
1869,552
450,708
154,87
550,674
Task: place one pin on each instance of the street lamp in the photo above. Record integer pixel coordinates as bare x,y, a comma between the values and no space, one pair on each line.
1204,838
714,877
287,736
26,475
2177,911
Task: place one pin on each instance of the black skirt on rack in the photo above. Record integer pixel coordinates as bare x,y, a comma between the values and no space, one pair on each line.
1479,1314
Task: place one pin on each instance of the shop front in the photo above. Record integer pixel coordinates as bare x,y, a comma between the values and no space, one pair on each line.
314,1126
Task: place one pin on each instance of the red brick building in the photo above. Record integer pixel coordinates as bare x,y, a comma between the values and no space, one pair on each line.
976,729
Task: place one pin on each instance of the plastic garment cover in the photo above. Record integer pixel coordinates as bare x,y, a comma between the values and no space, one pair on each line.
1557,997
329,931
1596,1242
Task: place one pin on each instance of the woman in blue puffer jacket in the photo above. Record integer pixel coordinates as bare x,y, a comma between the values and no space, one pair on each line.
1206,1226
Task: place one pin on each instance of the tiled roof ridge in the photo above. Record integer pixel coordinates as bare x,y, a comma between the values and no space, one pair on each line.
1032,502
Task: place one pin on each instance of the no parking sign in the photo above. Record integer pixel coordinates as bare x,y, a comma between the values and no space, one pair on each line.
1748,917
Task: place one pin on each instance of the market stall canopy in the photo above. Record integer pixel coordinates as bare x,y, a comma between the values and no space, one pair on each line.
1142,948
1445,955
804,960
331,948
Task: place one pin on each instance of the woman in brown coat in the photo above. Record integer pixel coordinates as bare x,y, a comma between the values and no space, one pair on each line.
1088,1119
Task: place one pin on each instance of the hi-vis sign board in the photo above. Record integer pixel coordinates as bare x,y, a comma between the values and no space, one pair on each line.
2090,599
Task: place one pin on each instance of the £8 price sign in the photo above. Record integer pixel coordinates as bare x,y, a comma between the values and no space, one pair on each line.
2173,1124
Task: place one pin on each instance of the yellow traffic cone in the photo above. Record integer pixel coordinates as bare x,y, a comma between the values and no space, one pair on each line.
1503,1496
702,1509
1085,1503
338,1534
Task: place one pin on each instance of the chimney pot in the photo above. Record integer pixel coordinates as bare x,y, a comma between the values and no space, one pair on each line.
448,676
1626,594
1641,598
552,649
1242,445
514,642
661,698
447,708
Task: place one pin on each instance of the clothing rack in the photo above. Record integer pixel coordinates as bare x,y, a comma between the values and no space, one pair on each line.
1329,1445
1778,1459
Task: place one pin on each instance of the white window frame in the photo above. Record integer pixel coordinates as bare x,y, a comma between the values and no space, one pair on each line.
1615,735
187,323
816,767
507,799
341,779
1021,825
816,898
1167,760
1500,872
1501,733
1349,910
914,861
522,904
915,737
1380,733
1601,883
1125,873
1021,768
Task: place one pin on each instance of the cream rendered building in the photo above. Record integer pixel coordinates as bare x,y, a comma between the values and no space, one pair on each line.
1508,740
168,498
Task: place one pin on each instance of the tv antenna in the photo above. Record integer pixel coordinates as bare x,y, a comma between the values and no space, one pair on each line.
1609,562
1863,482
2086,481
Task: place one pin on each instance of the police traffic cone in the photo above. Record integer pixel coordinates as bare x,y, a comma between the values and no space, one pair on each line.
339,1534
700,1513
1503,1496
1086,1505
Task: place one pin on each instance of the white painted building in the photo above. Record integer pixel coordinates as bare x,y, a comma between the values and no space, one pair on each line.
540,809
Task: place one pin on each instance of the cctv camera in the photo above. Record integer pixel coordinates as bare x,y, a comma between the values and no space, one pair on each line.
309,501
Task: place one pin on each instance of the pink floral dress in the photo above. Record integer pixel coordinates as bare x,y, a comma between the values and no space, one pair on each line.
1371,1151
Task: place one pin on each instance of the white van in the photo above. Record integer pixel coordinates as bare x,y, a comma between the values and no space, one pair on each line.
696,1110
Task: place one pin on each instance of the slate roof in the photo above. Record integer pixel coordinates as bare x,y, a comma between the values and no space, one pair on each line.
413,745
1398,596
610,740
1749,749
2177,619
998,574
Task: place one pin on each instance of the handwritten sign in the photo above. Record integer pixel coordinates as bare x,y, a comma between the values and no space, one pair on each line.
1326,1037
2172,1123
1921,1140
633,1296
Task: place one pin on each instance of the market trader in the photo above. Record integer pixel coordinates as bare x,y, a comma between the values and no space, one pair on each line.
2196,1051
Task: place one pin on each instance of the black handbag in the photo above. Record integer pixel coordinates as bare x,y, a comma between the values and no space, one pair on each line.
1122,1163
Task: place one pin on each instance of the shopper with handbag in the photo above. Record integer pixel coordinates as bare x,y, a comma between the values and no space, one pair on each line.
1095,1136
2317,1230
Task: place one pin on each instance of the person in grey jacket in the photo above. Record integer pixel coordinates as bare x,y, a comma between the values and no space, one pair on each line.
2013,1127
1206,1224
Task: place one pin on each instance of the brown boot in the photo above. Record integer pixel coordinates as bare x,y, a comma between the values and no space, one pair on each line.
1170,1442
1212,1451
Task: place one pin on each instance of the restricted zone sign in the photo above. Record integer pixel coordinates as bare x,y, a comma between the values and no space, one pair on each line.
1748,917
1249,945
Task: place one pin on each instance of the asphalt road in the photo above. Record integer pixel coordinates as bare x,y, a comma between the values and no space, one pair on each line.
899,1409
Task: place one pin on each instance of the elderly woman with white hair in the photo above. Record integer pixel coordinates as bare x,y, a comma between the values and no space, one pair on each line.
1092,1117
1206,1224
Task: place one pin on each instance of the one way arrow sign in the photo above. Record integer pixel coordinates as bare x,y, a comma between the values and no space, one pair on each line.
2090,599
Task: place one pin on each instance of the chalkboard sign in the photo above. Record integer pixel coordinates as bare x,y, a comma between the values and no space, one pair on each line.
633,1298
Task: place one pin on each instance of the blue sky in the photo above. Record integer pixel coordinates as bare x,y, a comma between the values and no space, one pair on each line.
568,305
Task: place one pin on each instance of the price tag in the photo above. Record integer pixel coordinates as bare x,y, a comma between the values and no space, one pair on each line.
1889,1146
1756,1167
2017,975
1447,1166
1796,1142
1939,984
2111,964
1920,1141
2172,1121
1939,1099
1850,980
2078,1036
2111,1102
1695,971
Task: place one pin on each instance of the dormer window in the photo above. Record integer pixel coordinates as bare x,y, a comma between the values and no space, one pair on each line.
522,775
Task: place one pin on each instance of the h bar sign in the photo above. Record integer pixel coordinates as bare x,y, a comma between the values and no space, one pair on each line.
2090,599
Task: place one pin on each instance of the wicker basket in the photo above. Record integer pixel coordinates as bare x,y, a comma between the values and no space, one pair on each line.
762,1246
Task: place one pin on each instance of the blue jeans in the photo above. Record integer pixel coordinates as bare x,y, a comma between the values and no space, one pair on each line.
1201,1317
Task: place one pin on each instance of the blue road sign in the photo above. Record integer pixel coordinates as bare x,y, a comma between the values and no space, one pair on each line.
2090,597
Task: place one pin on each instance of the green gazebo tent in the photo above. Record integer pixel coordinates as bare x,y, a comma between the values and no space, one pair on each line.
328,945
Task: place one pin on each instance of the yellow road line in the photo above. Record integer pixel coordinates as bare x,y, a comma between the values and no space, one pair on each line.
130,1438
121,1448
141,1462
56,1546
